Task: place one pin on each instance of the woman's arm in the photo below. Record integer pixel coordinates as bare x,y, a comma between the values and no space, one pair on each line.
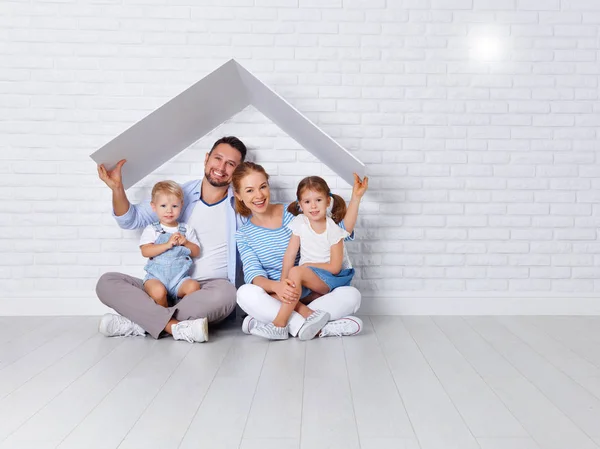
335,260
290,256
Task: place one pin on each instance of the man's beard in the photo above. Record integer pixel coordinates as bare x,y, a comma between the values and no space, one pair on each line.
214,182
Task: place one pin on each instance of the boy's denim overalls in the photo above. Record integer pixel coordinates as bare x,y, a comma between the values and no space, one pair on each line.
171,267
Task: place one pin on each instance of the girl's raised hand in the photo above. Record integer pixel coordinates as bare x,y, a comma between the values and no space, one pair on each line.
360,186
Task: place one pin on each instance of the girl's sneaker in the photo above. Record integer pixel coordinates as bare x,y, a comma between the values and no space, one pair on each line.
271,332
313,324
349,325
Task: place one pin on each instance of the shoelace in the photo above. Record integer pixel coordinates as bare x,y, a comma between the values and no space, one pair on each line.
184,331
333,329
122,326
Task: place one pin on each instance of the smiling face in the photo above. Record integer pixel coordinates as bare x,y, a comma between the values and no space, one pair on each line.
254,192
167,208
314,204
220,164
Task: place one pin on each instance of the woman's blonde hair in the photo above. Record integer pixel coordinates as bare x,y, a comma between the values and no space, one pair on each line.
241,171
318,184
168,188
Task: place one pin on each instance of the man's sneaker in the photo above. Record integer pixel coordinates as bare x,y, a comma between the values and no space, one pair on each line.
112,325
270,332
313,324
349,325
191,330
248,324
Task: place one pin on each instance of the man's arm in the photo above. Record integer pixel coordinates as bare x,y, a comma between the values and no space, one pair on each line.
128,216
114,181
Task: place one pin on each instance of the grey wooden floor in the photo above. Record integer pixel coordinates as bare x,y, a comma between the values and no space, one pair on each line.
406,382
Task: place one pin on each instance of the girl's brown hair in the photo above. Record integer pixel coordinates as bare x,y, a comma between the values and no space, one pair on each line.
318,184
167,188
241,171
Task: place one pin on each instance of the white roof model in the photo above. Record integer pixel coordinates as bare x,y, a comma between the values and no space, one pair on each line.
201,108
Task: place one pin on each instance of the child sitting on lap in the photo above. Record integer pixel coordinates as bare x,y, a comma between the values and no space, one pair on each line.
170,247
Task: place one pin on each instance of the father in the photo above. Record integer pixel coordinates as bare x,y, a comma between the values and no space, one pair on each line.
209,209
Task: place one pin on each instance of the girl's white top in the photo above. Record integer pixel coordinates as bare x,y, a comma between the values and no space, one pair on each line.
316,248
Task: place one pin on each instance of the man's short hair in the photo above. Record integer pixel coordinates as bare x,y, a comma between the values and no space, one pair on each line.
232,141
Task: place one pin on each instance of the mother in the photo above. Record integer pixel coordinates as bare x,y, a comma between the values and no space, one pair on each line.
262,242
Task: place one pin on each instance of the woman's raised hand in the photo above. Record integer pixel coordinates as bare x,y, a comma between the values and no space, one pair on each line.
113,177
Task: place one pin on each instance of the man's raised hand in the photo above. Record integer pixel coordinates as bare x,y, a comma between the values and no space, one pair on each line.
112,178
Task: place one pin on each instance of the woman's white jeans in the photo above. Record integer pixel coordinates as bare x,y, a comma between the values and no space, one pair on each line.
257,303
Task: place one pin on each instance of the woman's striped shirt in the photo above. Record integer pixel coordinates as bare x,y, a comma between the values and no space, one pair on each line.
262,249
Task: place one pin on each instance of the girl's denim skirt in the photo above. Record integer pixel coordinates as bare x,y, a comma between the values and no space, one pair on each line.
341,279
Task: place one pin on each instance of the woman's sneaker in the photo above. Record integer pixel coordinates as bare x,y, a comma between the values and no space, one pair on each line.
191,330
248,324
271,332
112,325
349,325
313,324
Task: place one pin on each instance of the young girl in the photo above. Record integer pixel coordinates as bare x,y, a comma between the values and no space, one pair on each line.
324,263
170,247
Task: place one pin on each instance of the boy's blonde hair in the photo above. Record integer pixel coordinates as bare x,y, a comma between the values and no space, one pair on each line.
167,188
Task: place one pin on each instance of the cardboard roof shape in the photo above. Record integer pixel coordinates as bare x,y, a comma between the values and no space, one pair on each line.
201,108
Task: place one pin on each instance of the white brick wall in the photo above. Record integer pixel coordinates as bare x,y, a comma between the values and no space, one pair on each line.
482,172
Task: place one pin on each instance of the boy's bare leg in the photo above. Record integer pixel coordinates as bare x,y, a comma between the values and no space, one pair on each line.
188,286
157,291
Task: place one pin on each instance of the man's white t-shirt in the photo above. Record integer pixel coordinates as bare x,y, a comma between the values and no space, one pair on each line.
316,248
149,235
210,224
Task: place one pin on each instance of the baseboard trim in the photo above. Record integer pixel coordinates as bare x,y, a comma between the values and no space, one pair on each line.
47,305
86,303
495,305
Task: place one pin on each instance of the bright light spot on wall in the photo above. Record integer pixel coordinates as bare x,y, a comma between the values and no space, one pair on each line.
488,48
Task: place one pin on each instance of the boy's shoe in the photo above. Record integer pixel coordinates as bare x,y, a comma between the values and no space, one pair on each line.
271,332
313,324
191,330
248,324
349,325
112,325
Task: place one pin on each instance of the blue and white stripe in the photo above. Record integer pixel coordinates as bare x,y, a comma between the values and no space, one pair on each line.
262,249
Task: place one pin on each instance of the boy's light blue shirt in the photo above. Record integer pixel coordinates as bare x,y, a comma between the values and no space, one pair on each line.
141,215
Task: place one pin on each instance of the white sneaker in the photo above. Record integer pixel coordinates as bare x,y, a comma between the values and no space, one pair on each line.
313,324
349,325
112,325
191,330
248,324
271,332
